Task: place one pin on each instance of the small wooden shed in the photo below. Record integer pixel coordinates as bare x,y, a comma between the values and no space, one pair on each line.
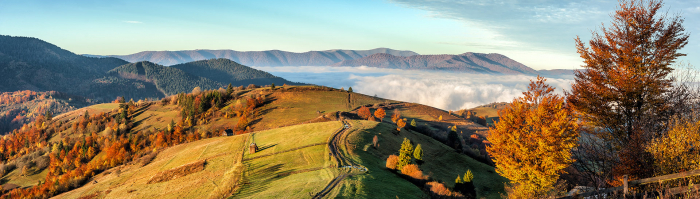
253,148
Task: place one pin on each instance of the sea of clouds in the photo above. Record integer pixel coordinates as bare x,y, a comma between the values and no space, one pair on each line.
444,90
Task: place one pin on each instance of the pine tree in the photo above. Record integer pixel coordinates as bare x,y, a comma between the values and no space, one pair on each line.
418,153
229,90
405,153
468,176
48,116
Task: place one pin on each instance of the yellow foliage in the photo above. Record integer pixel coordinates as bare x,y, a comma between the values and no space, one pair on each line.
532,142
674,152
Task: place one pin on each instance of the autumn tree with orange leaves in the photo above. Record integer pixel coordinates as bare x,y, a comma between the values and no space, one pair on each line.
532,142
625,94
380,113
364,112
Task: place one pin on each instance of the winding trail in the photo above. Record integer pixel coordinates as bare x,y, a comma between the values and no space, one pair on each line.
346,166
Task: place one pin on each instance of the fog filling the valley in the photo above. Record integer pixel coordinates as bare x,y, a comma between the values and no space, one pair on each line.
444,90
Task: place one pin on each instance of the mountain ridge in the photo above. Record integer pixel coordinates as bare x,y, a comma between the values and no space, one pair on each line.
492,63
255,58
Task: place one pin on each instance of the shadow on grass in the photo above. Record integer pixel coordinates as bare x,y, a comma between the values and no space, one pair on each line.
258,178
262,148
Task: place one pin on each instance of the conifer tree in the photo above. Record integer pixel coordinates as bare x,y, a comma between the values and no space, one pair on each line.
468,176
418,153
405,153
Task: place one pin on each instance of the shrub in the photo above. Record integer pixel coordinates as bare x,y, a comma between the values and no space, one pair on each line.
42,162
392,161
440,190
413,171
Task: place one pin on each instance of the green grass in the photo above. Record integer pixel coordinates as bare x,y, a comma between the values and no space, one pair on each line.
15,177
130,181
441,163
262,174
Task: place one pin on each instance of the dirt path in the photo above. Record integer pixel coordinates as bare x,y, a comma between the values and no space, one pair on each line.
346,166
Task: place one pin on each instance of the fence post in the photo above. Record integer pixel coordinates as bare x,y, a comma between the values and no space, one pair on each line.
625,185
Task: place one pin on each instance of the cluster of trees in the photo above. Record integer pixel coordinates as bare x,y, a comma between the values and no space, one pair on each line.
465,184
22,107
404,163
625,114
470,115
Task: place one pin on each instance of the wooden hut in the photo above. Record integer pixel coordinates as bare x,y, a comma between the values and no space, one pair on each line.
253,147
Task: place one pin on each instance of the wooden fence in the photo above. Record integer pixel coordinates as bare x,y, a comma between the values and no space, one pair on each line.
626,184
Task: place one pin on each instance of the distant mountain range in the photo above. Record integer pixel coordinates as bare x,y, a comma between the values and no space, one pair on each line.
468,62
32,64
257,58
492,63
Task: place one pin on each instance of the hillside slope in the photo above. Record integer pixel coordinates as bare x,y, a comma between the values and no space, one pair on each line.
32,64
257,58
467,62
168,80
133,149
227,71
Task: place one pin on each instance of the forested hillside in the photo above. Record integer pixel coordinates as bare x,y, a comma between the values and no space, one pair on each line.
168,80
32,64
227,71
21,107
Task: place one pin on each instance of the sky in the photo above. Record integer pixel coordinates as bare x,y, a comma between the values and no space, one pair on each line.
537,33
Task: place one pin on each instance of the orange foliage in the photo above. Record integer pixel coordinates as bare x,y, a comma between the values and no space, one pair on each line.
392,161
441,190
625,87
400,124
532,142
396,116
364,112
380,114
413,171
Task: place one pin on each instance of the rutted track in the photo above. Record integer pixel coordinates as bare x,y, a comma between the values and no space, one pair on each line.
346,166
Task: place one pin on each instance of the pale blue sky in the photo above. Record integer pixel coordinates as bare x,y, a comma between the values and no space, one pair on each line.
538,33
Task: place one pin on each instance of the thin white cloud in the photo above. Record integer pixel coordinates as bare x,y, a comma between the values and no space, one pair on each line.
444,90
134,22
694,10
